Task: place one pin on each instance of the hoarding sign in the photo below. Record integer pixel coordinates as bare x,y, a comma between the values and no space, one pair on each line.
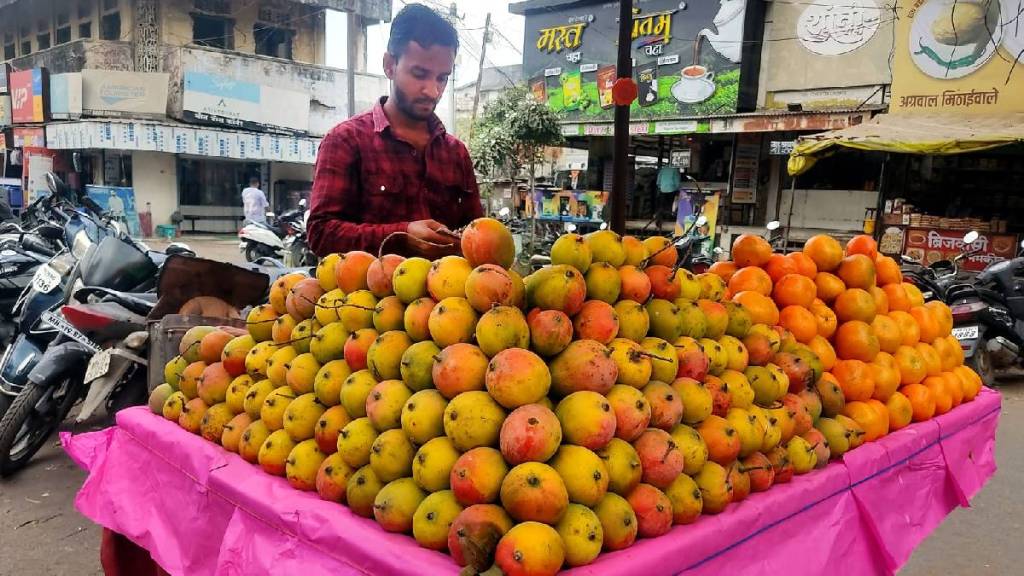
963,57
29,138
5,110
686,58
119,203
213,99
929,245
116,93
29,100
65,96
834,27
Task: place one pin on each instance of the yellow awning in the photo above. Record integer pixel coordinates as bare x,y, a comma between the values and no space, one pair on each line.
946,133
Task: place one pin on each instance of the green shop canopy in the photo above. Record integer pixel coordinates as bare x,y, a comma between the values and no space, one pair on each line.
938,133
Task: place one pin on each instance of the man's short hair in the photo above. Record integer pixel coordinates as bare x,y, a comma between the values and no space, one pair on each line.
254,180
422,25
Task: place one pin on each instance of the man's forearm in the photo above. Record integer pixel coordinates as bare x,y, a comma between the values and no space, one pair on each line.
332,235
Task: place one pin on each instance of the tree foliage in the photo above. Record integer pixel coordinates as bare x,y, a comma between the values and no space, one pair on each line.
513,131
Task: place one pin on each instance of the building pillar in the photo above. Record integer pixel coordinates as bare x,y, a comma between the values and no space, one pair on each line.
146,36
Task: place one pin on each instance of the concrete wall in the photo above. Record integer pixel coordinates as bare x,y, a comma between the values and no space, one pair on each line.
155,180
307,23
74,56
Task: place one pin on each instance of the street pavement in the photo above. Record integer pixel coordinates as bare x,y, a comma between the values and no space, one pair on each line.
42,533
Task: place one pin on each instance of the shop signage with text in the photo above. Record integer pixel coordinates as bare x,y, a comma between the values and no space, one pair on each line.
29,98
115,93
929,245
214,99
686,58
966,57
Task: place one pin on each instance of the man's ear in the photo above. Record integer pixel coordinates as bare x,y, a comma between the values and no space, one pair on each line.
389,65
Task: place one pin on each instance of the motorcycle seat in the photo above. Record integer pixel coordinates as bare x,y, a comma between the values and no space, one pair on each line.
138,302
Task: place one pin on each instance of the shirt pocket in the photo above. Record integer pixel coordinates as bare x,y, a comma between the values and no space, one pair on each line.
385,197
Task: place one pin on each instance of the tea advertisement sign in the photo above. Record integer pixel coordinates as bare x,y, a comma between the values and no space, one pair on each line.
965,56
686,58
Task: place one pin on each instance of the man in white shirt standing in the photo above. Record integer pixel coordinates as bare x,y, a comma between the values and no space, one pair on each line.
254,202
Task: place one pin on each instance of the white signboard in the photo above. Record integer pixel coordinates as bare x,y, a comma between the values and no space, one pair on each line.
213,99
116,93
833,27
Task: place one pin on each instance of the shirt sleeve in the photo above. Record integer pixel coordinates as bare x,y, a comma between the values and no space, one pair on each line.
472,209
336,204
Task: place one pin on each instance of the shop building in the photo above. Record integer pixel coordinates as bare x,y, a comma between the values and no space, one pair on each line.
951,145
724,89
179,102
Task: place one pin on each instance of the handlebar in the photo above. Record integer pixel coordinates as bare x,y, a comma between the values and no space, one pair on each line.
36,245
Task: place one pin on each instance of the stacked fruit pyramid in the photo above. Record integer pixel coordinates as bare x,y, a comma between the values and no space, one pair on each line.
632,396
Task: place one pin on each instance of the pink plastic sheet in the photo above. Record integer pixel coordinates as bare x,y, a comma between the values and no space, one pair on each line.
201,510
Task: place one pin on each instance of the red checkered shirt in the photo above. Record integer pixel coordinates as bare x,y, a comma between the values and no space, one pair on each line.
369,184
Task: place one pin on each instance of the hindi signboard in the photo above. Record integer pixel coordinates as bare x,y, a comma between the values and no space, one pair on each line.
930,245
965,57
687,58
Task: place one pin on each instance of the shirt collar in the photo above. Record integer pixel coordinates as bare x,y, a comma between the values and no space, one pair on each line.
381,122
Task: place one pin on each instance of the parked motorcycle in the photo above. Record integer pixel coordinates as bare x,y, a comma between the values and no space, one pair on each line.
988,317
296,246
264,240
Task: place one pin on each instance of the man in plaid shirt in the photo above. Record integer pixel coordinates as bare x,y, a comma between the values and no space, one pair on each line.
394,168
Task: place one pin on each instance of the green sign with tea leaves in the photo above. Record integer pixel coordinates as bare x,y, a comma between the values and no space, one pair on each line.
686,58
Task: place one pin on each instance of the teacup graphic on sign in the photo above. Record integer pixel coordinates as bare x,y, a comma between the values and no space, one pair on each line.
696,84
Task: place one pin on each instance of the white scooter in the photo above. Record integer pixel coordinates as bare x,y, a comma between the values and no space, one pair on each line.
260,240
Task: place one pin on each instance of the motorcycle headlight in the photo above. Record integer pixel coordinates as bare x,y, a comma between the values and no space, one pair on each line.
62,263
80,244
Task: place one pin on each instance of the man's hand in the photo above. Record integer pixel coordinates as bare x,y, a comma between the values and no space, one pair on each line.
427,240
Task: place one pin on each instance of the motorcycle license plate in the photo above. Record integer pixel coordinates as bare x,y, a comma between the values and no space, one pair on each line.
99,365
965,333
45,279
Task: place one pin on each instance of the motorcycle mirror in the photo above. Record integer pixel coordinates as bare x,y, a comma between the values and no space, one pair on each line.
773,225
971,237
504,212
702,220
52,182
302,203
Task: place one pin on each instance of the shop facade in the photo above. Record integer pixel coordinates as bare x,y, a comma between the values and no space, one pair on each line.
951,143
724,90
172,120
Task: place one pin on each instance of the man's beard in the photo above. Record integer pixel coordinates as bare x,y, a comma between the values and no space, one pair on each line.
408,106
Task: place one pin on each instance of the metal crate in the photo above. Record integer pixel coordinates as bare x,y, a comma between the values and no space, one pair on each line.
165,336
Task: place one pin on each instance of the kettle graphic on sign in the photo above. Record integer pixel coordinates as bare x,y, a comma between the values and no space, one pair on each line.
728,41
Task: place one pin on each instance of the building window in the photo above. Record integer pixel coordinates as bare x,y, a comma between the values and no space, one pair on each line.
213,32
26,39
271,41
63,32
85,10
10,46
110,21
110,26
43,40
85,17
26,47
85,30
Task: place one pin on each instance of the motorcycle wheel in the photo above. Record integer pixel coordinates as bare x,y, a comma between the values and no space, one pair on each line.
981,362
23,431
252,252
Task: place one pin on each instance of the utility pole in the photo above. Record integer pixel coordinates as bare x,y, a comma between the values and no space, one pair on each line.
620,153
480,72
453,13
353,35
